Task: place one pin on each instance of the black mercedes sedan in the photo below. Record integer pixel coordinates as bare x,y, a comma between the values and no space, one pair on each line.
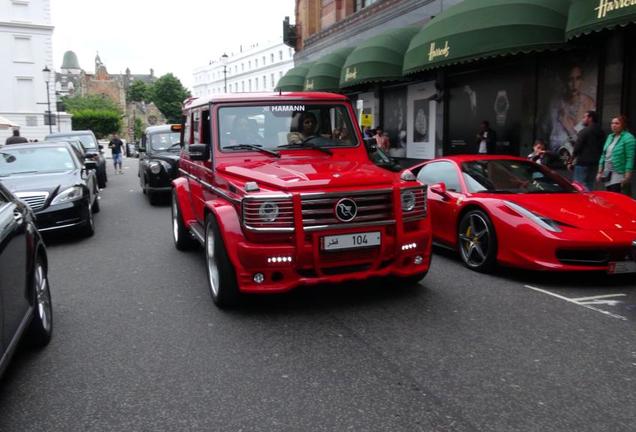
92,148
51,179
159,160
25,298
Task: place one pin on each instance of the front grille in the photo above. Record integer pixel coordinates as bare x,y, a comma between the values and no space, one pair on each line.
35,200
255,216
421,205
594,257
318,210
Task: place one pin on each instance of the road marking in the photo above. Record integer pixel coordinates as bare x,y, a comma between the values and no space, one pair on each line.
599,297
574,301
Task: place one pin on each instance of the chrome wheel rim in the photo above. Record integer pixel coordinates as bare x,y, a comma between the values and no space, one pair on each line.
175,225
474,241
42,297
213,269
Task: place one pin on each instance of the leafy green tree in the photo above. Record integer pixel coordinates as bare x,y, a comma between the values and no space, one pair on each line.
101,122
168,94
138,91
139,128
90,102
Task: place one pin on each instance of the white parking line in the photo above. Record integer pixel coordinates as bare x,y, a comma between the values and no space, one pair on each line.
599,297
577,301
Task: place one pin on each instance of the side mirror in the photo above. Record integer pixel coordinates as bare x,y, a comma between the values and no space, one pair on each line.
100,147
90,164
199,152
439,189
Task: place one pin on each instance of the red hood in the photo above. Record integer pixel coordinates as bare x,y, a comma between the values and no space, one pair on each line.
593,211
294,174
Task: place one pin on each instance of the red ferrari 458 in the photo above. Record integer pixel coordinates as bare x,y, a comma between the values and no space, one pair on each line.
508,210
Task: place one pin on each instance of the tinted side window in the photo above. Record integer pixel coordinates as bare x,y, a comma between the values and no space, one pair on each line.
438,172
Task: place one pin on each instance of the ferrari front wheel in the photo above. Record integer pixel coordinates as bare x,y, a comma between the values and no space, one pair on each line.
477,241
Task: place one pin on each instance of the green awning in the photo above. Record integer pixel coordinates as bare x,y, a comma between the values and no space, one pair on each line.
378,59
294,79
477,29
587,16
324,74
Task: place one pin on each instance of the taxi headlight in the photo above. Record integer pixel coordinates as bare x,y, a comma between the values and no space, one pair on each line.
155,167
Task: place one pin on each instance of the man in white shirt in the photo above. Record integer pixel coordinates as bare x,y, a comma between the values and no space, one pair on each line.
486,139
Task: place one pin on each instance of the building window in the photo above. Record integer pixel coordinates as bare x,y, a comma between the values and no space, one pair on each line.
280,54
272,80
272,57
255,83
361,4
249,64
249,85
24,95
264,60
255,63
242,67
243,86
22,49
264,82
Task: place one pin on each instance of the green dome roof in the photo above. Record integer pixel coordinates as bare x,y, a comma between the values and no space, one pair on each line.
70,61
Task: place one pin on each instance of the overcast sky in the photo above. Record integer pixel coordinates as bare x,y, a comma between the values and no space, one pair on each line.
168,36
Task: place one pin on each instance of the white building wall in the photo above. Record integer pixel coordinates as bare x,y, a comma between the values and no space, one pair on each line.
25,48
255,69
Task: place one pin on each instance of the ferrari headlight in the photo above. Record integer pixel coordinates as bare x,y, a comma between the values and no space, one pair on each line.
268,211
408,201
71,194
155,167
544,222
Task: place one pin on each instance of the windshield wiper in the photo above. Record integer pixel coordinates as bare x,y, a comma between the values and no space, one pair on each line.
256,147
307,145
175,145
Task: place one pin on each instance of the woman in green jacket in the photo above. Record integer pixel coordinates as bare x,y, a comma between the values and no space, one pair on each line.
617,160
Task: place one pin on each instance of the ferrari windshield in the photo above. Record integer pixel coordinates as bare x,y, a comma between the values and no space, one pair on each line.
512,176
32,160
278,127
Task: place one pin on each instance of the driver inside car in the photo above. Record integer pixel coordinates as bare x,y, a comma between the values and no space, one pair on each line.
308,127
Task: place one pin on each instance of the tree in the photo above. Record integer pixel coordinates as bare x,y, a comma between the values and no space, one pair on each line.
90,102
138,91
168,94
138,127
101,122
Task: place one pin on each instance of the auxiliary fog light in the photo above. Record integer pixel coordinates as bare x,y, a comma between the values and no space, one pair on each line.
259,278
284,259
418,260
409,246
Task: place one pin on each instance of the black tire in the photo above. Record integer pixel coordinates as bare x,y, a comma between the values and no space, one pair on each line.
153,197
88,228
96,207
41,327
221,274
180,234
477,241
101,178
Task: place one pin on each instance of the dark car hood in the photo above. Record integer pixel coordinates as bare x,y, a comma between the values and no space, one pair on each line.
170,157
48,182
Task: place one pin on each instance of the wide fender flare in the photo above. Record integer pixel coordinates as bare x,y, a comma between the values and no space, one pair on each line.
228,221
181,189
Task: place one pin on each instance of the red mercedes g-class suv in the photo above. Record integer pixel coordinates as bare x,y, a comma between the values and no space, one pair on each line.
280,191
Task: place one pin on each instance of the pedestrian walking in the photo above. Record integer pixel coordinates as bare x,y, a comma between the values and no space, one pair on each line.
16,138
587,150
486,139
617,159
116,145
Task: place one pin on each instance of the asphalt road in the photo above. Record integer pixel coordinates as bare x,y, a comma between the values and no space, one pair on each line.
139,346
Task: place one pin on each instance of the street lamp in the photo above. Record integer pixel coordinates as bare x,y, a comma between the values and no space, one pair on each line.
224,63
46,74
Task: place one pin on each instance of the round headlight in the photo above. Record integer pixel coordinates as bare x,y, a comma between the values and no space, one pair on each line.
268,211
155,167
408,201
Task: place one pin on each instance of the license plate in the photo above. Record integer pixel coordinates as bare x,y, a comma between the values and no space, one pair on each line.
351,241
622,267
